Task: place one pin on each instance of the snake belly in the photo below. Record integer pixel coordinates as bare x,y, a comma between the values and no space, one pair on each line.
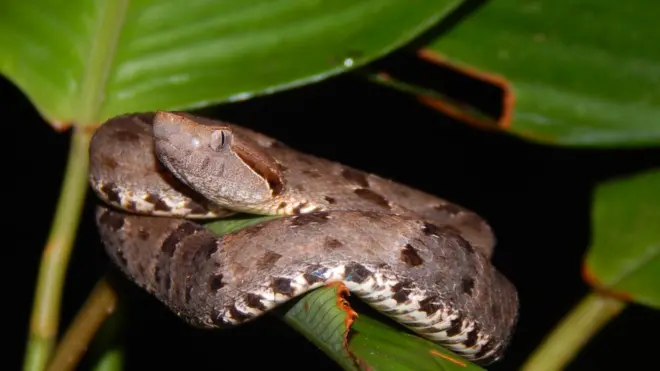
430,273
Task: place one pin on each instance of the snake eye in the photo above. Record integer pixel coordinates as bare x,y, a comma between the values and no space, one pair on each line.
219,140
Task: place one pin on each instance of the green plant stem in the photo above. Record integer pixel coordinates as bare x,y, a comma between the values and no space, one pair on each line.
98,307
573,332
113,360
56,254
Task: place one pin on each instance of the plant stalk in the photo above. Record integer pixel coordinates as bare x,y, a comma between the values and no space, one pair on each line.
55,257
567,339
98,307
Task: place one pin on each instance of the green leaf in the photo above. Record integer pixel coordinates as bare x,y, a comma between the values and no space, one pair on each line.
386,348
319,318
364,343
84,61
582,73
625,253
233,223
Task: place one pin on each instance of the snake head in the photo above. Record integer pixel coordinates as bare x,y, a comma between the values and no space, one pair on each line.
207,156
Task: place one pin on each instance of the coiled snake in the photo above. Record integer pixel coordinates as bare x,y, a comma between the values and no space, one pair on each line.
419,259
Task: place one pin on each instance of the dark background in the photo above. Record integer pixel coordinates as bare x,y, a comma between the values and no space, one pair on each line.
537,199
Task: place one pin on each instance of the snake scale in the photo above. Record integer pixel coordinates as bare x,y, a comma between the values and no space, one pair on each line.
419,259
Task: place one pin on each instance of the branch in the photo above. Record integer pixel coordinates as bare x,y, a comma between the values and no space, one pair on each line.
55,257
573,332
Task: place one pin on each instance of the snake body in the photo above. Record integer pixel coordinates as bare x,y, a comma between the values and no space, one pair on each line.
417,258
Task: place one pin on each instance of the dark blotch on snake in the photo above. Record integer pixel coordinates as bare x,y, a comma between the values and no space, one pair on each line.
282,286
317,217
355,177
126,136
216,282
114,221
205,163
254,301
431,229
158,203
109,162
467,283
267,260
312,274
401,291
410,256
184,230
195,207
495,312
455,326
329,200
209,248
296,210
449,231
282,205
188,291
430,305
168,280
109,190
356,272
143,234
472,337
332,243
373,197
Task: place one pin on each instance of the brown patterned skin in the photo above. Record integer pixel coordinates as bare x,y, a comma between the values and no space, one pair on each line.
122,160
419,259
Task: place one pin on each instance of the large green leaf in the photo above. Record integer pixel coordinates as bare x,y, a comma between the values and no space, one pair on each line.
84,61
359,342
386,348
625,252
582,73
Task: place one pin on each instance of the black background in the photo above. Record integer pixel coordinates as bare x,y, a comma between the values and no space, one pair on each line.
537,198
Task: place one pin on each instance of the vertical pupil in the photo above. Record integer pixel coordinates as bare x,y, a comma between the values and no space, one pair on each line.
218,140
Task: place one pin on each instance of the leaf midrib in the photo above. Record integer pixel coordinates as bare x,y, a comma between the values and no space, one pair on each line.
636,264
103,45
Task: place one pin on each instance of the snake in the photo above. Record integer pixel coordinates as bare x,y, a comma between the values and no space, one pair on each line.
419,259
